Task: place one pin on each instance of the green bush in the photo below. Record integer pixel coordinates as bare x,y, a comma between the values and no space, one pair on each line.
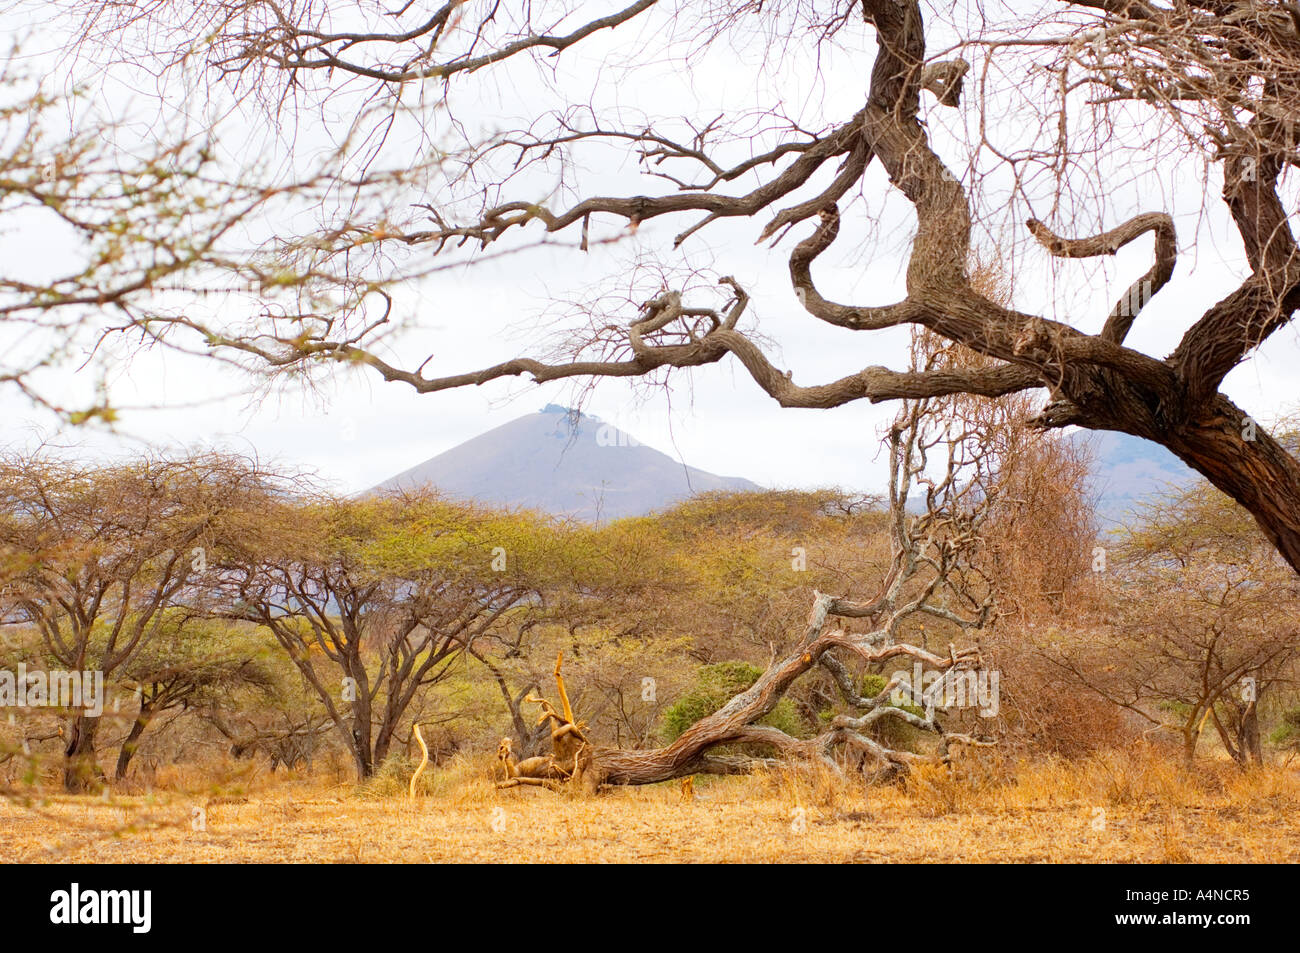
872,685
714,686
889,731
1287,734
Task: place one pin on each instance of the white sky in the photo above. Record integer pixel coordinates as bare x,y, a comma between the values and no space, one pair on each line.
358,431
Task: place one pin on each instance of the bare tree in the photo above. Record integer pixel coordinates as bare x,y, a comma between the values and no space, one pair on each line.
287,737
934,575
1104,81
131,219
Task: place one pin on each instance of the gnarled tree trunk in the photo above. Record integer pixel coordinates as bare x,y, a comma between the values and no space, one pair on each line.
81,772
932,556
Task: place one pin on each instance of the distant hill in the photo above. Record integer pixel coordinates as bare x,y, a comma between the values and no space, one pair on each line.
566,463
1128,470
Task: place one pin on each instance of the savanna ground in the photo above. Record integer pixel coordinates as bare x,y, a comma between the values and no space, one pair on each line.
1130,807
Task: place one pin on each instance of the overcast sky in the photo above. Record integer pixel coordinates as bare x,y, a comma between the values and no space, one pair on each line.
357,431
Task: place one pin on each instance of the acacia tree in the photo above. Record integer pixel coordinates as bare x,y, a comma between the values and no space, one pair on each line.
376,600
190,665
1047,102
92,557
1197,622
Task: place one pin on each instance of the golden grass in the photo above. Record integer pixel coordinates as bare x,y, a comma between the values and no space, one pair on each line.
1135,807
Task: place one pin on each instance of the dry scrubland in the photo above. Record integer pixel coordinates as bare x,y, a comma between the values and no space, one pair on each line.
1154,812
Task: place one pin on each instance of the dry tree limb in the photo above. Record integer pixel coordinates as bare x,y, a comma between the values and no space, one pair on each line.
571,752
1134,299
424,759
934,574
1221,79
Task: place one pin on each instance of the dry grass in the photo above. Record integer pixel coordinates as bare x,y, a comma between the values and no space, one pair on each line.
1135,807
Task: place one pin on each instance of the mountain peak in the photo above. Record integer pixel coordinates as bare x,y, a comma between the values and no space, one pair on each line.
572,412
563,462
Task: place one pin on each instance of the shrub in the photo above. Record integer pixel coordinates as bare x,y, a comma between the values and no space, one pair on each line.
1287,734
892,732
714,686
393,778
